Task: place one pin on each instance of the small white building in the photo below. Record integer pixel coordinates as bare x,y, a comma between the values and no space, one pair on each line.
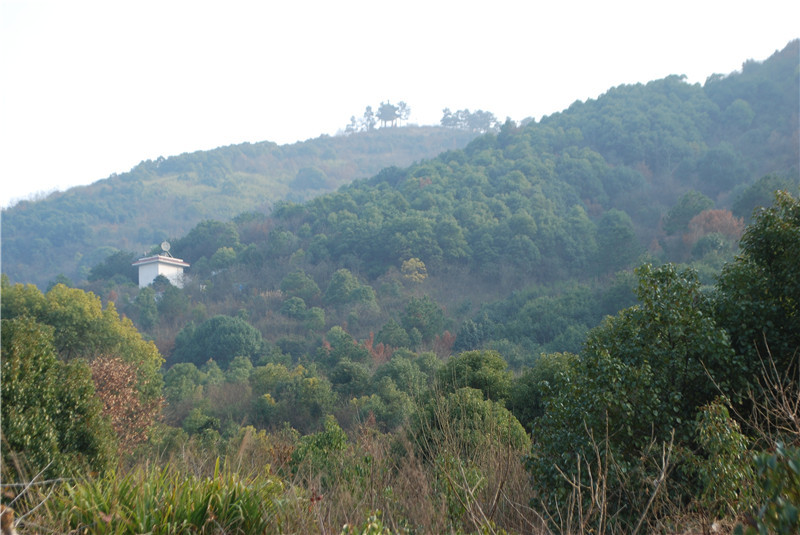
151,267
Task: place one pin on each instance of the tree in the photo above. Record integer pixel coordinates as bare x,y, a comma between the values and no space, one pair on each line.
369,119
761,194
720,168
220,338
688,206
393,334
758,295
50,415
483,370
146,307
414,270
403,111
644,374
181,381
118,263
462,422
480,121
83,329
424,315
298,284
115,384
526,400
617,245
448,120
345,288
205,239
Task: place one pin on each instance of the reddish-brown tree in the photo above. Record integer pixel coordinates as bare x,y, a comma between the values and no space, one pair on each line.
115,384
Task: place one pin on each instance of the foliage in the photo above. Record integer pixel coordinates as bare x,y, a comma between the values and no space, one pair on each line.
761,194
300,396
485,371
71,232
643,376
525,237
373,525
424,315
529,389
317,452
135,503
118,263
298,284
220,338
725,471
758,301
778,477
115,385
52,420
462,422
414,270
617,245
83,333
477,121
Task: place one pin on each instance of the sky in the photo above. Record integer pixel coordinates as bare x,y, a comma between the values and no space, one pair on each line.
91,88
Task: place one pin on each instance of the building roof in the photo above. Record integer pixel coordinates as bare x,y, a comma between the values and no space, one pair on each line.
160,259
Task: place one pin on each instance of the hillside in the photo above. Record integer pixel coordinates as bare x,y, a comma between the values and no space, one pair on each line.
523,239
584,324
68,232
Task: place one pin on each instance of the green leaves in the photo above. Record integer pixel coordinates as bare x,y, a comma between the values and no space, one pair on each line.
758,298
51,417
220,338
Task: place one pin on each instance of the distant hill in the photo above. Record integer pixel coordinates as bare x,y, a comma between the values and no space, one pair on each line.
68,232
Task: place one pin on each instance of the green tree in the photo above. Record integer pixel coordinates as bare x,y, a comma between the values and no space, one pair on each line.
482,370
368,120
224,257
643,375
181,382
220,338
528,390
463,422
720,168
294,308
758,295
146,307
761,194
424,315
341,288
118,263
349,379
84,329
688,206
392,334
298,284
205,239
617,245
49,411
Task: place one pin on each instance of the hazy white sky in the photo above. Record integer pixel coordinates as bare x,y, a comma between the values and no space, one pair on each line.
92,88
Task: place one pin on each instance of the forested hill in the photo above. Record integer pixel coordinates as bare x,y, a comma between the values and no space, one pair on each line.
68,232
594,314
524,238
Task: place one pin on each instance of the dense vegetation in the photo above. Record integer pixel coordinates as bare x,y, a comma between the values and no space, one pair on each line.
68,232
586,323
